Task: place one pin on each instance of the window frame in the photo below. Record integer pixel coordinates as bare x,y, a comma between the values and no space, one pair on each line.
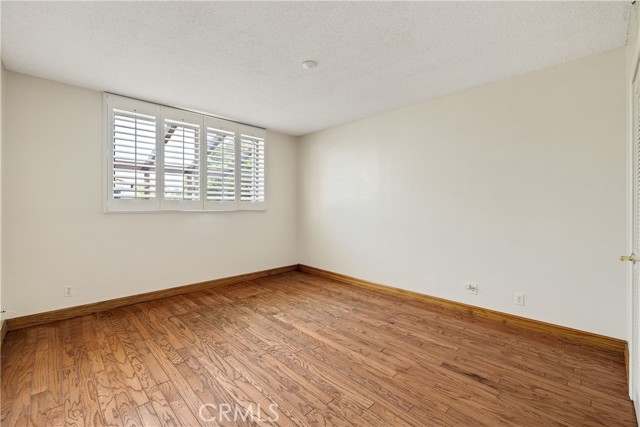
160,203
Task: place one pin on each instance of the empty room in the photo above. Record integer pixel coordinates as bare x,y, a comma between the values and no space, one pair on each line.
412,214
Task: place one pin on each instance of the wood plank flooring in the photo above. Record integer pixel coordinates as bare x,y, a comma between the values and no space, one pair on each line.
319,352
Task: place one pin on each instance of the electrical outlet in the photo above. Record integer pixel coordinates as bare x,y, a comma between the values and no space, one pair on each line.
518,298
68,291
471,288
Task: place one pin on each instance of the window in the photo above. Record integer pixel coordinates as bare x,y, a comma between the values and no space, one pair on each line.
181,159
133,172
251,168
161,158
221,164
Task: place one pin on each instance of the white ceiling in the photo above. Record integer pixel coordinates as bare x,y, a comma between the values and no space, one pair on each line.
242,60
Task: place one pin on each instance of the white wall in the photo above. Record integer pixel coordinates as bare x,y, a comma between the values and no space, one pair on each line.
2,316
58,235
518,186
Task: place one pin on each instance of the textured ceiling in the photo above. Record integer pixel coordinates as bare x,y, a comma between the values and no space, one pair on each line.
242,60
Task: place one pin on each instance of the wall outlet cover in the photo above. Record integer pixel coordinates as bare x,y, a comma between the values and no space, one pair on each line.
518,298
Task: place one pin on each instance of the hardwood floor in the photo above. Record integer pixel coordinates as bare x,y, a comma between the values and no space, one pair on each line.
319,352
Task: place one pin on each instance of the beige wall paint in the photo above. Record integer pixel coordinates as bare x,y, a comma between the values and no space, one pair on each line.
58,234
518,186
2,315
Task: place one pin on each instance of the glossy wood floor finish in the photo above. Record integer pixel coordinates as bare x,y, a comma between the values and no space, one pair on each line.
326,353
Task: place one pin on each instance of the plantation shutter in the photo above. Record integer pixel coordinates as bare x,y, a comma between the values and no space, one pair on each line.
221,164
132,154
163,158
181,147
252,168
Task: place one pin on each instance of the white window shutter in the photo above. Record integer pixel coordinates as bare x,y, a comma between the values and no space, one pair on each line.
252,168
181,142
132,165
221,164
162,158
